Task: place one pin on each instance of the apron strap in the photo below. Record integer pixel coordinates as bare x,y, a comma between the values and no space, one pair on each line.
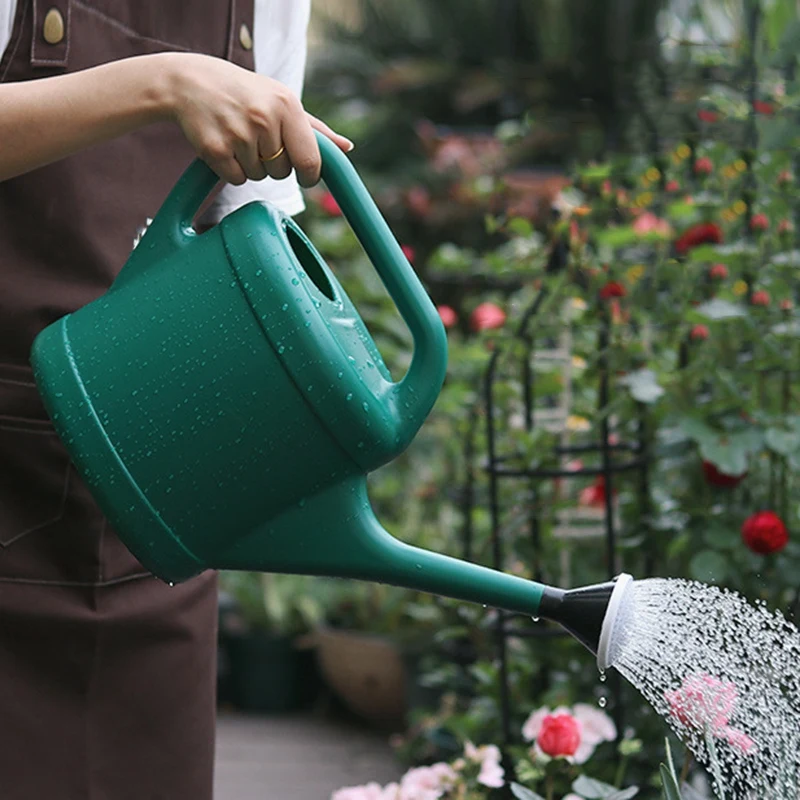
50,43
242,14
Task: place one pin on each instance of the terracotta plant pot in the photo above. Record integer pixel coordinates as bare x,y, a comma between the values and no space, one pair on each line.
366,672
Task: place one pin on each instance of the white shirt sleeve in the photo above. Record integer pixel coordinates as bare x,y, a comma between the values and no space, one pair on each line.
279,47
7,9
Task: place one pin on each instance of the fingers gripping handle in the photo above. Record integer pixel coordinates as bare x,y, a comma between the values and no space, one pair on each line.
416,393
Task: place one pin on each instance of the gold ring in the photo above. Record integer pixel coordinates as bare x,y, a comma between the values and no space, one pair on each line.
272,158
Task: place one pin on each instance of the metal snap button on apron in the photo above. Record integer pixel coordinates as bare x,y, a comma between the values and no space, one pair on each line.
53,27
245,39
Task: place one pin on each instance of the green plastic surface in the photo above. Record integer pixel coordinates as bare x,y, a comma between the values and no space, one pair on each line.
224,402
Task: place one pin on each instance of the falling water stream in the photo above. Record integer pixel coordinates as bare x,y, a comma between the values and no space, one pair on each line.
725,675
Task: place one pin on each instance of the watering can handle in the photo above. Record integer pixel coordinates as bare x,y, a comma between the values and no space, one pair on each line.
416,393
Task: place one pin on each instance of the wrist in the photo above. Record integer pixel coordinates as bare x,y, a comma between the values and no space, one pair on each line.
163,82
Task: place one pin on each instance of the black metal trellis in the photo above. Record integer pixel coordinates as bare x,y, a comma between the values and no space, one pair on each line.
615,457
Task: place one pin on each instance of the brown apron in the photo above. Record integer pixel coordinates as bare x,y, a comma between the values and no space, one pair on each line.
107,676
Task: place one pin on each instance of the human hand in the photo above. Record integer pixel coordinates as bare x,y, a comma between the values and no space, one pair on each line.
237,121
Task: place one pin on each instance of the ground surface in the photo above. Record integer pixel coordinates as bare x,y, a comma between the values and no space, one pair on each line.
296,757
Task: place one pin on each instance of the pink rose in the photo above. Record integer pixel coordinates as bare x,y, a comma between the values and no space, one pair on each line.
560,735
591,725
703,700
448,316
486,317
427,783
649,223
330,206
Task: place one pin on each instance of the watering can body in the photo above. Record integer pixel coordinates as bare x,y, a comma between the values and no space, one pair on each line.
224,402
226,379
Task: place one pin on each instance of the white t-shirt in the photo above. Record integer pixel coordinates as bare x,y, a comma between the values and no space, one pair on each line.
279,48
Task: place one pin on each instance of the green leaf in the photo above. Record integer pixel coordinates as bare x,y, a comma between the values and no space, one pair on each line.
728,452
708,566
670,785
596,172
720,538
782,441
618,236
681,210
705,252
720,309
643,386
520,227
778,15
697,430
593,789
521,793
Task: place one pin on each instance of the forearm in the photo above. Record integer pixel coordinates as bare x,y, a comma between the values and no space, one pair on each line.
44,120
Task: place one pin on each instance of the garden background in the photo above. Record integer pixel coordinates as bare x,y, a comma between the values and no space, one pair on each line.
600,197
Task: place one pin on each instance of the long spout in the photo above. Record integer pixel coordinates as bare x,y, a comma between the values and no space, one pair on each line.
594,615
336,534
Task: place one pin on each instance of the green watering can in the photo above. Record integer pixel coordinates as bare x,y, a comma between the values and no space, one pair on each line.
224,403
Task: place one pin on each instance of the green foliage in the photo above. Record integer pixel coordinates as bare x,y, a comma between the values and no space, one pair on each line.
702,362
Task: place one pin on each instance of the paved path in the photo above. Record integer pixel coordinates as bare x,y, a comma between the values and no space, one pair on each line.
295,757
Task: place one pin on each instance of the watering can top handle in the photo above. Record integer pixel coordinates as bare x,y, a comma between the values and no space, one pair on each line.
418,390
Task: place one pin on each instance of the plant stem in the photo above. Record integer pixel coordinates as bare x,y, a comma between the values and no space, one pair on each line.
620,776
550,787
687,765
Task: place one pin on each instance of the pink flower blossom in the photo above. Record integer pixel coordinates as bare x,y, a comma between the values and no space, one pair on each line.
559,736
593,727
649,223
448,316
738,739
427,783
488,756
704,702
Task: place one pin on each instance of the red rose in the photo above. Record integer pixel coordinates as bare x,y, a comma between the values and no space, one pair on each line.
787,305
716,478
706,115
612,289
784,178
486,317
785,226
760,298
448,316
594,496
699,333
672,186
560,735
763,107
759,222
718,272
703,233
330,206
408,252
703,166
764,533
